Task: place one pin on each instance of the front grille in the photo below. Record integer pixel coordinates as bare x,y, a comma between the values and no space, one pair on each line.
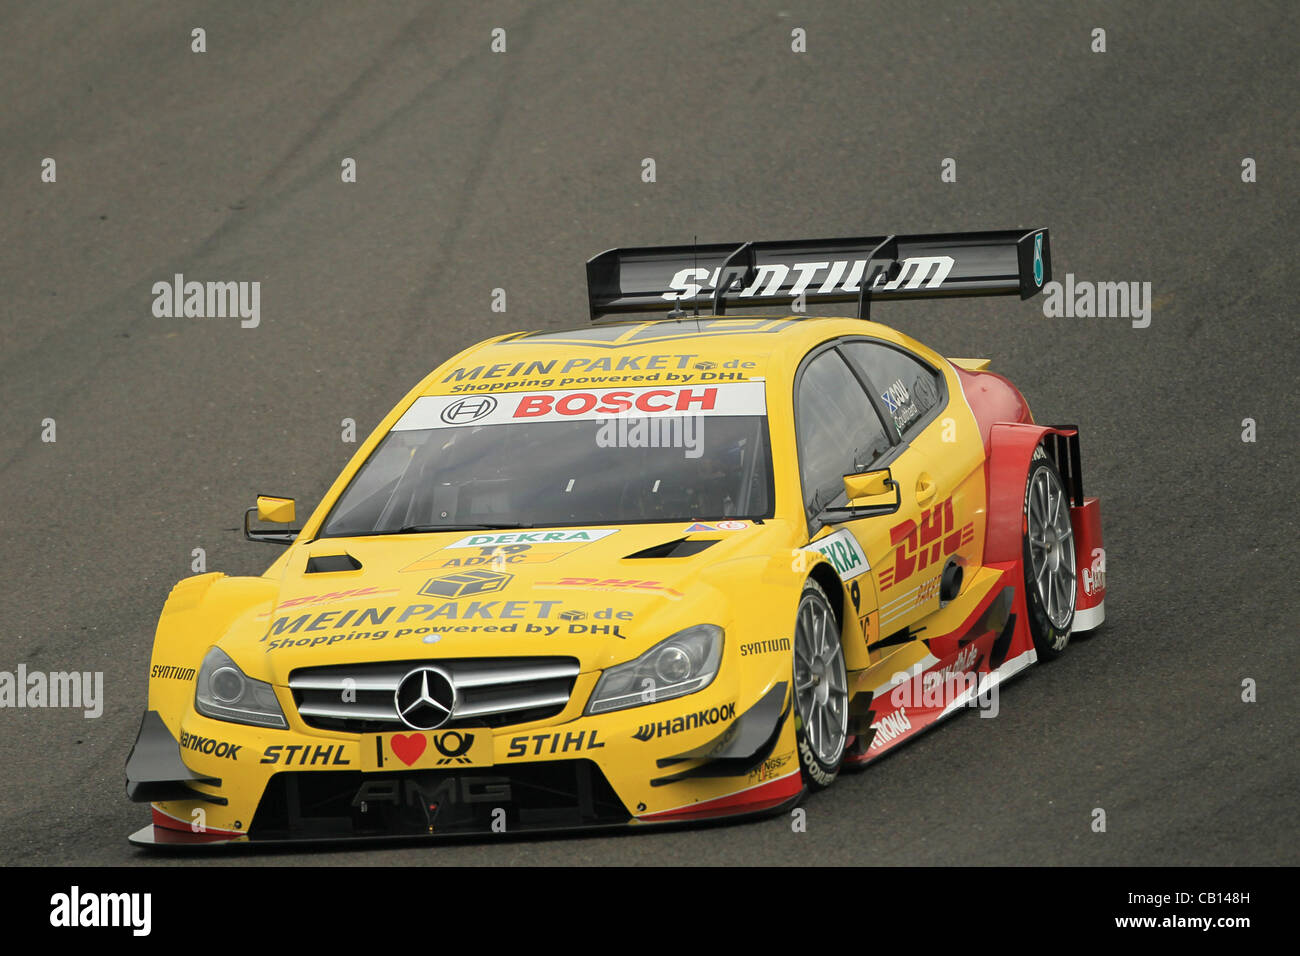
359,698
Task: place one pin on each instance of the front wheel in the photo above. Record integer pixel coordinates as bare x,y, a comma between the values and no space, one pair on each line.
1050,573
821,689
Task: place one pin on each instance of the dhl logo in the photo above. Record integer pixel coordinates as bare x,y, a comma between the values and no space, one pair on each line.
612,584
923,544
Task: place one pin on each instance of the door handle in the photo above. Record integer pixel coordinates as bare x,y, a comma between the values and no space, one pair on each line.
925,488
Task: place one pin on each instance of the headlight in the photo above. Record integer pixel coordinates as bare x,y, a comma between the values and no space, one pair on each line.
684,663
226,693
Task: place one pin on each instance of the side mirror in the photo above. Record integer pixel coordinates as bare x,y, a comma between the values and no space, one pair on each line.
861,489
276,510
279,510
869,484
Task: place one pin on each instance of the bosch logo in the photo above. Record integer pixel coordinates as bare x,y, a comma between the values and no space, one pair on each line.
425,698
469,410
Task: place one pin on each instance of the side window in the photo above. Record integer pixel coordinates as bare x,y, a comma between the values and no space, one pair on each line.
839,432
909,389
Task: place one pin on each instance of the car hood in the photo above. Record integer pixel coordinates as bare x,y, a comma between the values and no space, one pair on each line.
601,595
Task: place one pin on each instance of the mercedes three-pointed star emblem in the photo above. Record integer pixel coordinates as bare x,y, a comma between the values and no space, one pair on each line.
425,698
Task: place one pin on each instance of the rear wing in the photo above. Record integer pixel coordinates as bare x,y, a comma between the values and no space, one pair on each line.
1012,262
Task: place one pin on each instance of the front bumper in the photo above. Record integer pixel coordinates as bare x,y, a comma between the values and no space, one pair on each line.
686,760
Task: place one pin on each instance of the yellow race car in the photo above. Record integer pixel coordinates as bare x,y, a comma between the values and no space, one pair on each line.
636,573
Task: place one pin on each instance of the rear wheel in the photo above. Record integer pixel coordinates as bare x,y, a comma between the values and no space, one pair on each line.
1050,573
821,689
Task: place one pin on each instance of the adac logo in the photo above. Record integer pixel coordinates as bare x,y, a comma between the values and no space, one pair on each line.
468,410
1038,259
918,546
464,583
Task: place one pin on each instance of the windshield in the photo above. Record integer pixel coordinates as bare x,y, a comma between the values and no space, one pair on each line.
433,470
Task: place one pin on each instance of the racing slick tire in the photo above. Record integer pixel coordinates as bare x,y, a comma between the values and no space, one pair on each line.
1051,578
821,689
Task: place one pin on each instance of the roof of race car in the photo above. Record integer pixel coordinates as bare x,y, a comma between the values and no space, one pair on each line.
627,352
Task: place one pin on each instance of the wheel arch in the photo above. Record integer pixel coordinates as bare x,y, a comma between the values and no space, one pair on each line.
830,582
852,639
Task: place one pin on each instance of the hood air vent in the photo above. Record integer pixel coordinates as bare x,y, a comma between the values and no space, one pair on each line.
681,548
325,563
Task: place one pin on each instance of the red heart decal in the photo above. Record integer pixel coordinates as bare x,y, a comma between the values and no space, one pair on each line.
408,747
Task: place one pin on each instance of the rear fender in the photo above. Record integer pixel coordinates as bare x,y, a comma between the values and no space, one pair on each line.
1011,452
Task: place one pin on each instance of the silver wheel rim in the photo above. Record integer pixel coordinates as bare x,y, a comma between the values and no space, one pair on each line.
1051,547
821,686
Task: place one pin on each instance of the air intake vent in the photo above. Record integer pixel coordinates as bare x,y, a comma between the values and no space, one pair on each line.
681,548
325,563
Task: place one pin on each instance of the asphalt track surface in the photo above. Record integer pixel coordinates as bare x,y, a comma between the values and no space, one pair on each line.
479,170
